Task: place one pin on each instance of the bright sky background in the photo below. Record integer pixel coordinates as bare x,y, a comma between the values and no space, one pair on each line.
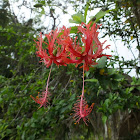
116,45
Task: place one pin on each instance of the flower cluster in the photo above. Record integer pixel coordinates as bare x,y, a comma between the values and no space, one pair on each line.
60,48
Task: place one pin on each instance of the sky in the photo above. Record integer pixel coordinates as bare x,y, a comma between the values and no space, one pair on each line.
116,45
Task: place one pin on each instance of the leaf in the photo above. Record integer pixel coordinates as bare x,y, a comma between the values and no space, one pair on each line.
87,73
72,98
101,62
74,29
99,15
42,12
107,103
111,71
77,18
1,99
23,135
104,119
43,2
92,80
118,77
9,131
38,5
64,109
86,9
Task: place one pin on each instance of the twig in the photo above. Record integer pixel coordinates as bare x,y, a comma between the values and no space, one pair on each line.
30,80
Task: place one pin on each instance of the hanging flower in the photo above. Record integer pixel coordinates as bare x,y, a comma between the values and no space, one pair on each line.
92,48
42,99
54,51
82,110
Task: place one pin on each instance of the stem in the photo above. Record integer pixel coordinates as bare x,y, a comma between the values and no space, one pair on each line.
81,102
40,40
48,78
83,82
43,102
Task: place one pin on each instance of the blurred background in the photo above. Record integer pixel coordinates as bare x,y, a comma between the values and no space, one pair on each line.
113,85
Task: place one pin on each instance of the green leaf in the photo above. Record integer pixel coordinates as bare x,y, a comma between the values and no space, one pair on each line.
23,135
87,73
118,77
77,18
33,125
0,99
43,2
74,29
104,119
72,98
86,9
136,82
92,80
9,131
99,15
111,71
107,103
64,109
101,62
38,5
42,12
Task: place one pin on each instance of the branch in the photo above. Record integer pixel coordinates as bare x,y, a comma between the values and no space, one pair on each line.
54,19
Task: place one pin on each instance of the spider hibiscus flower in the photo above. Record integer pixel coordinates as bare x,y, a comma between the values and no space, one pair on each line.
52,50
87,54
43,98
91,47
81,109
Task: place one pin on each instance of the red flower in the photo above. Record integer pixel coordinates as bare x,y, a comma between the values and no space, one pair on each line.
81,108
43,99
91,49
54,51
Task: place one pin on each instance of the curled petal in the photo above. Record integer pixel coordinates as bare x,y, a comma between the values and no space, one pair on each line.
81,110
42,99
